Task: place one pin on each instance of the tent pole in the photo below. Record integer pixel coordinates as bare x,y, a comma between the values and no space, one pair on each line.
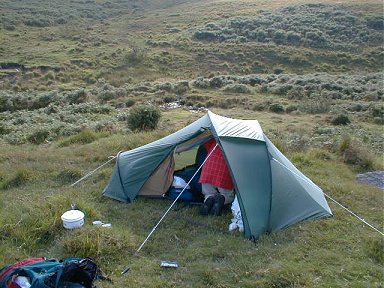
173,203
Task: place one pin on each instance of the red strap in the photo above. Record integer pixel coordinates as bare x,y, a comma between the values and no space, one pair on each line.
21,263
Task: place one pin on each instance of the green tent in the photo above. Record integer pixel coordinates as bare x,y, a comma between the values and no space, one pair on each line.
273,194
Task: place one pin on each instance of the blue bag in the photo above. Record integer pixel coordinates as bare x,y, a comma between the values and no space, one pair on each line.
51,273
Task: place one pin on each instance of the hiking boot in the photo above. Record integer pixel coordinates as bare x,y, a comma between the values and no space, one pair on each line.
207,206
218,205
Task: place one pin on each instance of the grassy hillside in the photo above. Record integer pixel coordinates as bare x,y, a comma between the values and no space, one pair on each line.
309,71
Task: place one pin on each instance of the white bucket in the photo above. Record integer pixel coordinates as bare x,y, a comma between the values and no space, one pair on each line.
73,219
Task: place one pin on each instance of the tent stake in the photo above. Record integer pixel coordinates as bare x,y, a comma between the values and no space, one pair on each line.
173,203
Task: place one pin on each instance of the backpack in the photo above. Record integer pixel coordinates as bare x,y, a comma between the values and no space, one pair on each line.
50,273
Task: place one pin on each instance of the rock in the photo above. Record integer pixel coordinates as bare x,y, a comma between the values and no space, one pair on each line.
375,178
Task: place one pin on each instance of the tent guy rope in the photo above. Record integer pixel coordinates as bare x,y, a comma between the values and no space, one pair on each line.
353,214
345,208
94,170
173,203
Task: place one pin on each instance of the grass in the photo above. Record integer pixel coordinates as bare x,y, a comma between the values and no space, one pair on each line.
66,92
338,251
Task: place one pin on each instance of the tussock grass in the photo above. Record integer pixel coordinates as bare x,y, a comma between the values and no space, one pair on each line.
83,137
20,177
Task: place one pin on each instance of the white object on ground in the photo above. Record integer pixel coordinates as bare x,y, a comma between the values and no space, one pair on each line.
97,222
237,220
73,219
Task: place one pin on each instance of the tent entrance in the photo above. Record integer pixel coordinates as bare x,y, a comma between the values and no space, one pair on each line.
182,156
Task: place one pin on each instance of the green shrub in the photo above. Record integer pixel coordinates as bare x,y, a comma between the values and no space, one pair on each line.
76,97
313,106
276,108
201,83
83,137
130,102
107,95
181,87
378,120
298,25
3,129
143,118
237,88
259,107
205,35
9,26
105,126
38,22
134,57
89,108
377,112
217,82
169,98
49,76
166,86
375,22
291,108
352,153
341,119
39,136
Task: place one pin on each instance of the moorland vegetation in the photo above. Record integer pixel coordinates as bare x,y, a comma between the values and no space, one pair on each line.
82,80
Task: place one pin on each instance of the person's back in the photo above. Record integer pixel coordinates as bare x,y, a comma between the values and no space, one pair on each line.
217,185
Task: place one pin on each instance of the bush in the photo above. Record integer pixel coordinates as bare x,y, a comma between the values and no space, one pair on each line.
3,129
169,98
38,136
291,108
217,82
76,97
325,26
276,108
130,102
341,119
237,88
107,95
314,106
205,35
85,136
201,83
166,86
353,153
143,118
181,87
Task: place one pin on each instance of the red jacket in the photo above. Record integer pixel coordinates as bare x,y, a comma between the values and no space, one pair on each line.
215,170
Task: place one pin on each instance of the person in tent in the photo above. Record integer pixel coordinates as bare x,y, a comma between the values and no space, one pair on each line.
216,181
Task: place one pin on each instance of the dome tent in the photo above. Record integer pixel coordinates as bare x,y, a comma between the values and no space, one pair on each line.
272,193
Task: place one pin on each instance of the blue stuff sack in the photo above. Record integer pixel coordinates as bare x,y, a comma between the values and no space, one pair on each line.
187,195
